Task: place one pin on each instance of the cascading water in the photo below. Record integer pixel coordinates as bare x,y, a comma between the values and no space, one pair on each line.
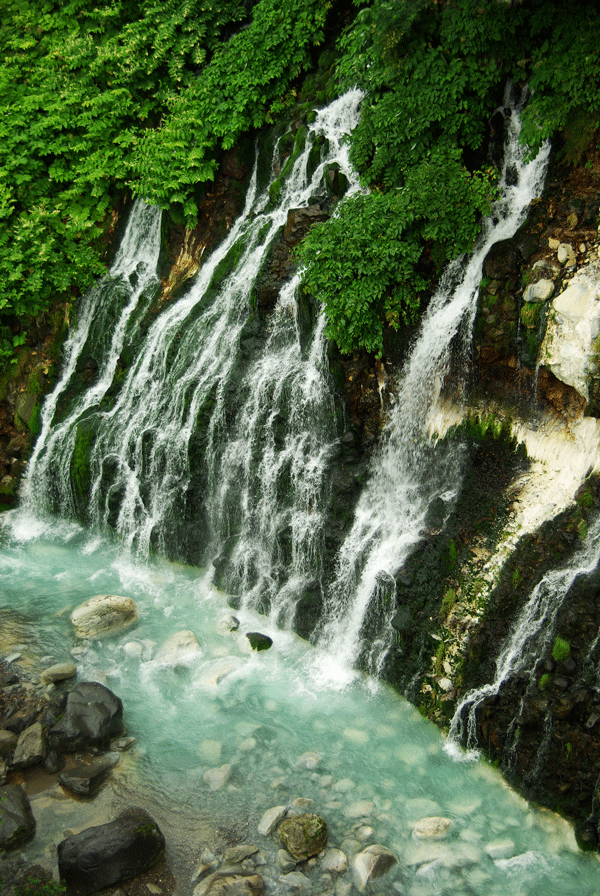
411,474
198,438
533,631
109,312
224,733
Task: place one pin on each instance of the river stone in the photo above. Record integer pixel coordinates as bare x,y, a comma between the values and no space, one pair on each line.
538,292
178,647
335,860
17,824
59,672
432,828
85,778
371,863
271,819
303,835
231,883
92,715
8,741
259,641
237,854
109,853
104,614
31,747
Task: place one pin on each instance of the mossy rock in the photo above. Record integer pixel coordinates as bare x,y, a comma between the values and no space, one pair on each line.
303,836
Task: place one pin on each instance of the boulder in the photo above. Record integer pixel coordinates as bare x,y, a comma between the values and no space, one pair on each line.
59,672
299,221
85,778
303,835
92,715
8,741
228,882
502,260
178,648
17,824
259,641
31,747
539,292
371,863
109,853
102,615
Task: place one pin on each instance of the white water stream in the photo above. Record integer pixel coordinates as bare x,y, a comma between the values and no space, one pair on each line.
411,472
223,733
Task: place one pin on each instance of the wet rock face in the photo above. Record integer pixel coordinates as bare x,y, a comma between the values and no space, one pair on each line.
17,824
109,853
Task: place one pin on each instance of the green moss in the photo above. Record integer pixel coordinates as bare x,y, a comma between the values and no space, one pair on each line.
561,649
531,315
544,681
448,601
80,463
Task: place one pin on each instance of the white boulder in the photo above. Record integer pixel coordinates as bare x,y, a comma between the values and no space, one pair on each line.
104,614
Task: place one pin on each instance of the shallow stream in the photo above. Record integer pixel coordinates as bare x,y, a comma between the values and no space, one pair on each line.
279,725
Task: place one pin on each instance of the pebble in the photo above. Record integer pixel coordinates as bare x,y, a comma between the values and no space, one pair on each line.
360,808
500,849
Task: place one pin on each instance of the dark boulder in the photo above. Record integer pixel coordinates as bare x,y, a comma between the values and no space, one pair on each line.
258,641
92,715
85,778
17,824
109,853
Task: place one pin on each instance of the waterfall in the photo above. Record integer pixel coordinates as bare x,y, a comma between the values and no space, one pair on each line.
533,631
106,315
214,441
411,473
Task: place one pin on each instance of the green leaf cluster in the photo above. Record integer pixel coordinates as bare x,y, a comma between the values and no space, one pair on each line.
99,98
434,72
364,262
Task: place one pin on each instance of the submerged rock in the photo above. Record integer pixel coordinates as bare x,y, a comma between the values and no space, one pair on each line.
231,883
104,855
371,863
85,778
104,614
178,647
17,824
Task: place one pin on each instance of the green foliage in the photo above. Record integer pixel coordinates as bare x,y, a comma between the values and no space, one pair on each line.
561,649
433,74
448,601
33,886
98,98
545,681
363,263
